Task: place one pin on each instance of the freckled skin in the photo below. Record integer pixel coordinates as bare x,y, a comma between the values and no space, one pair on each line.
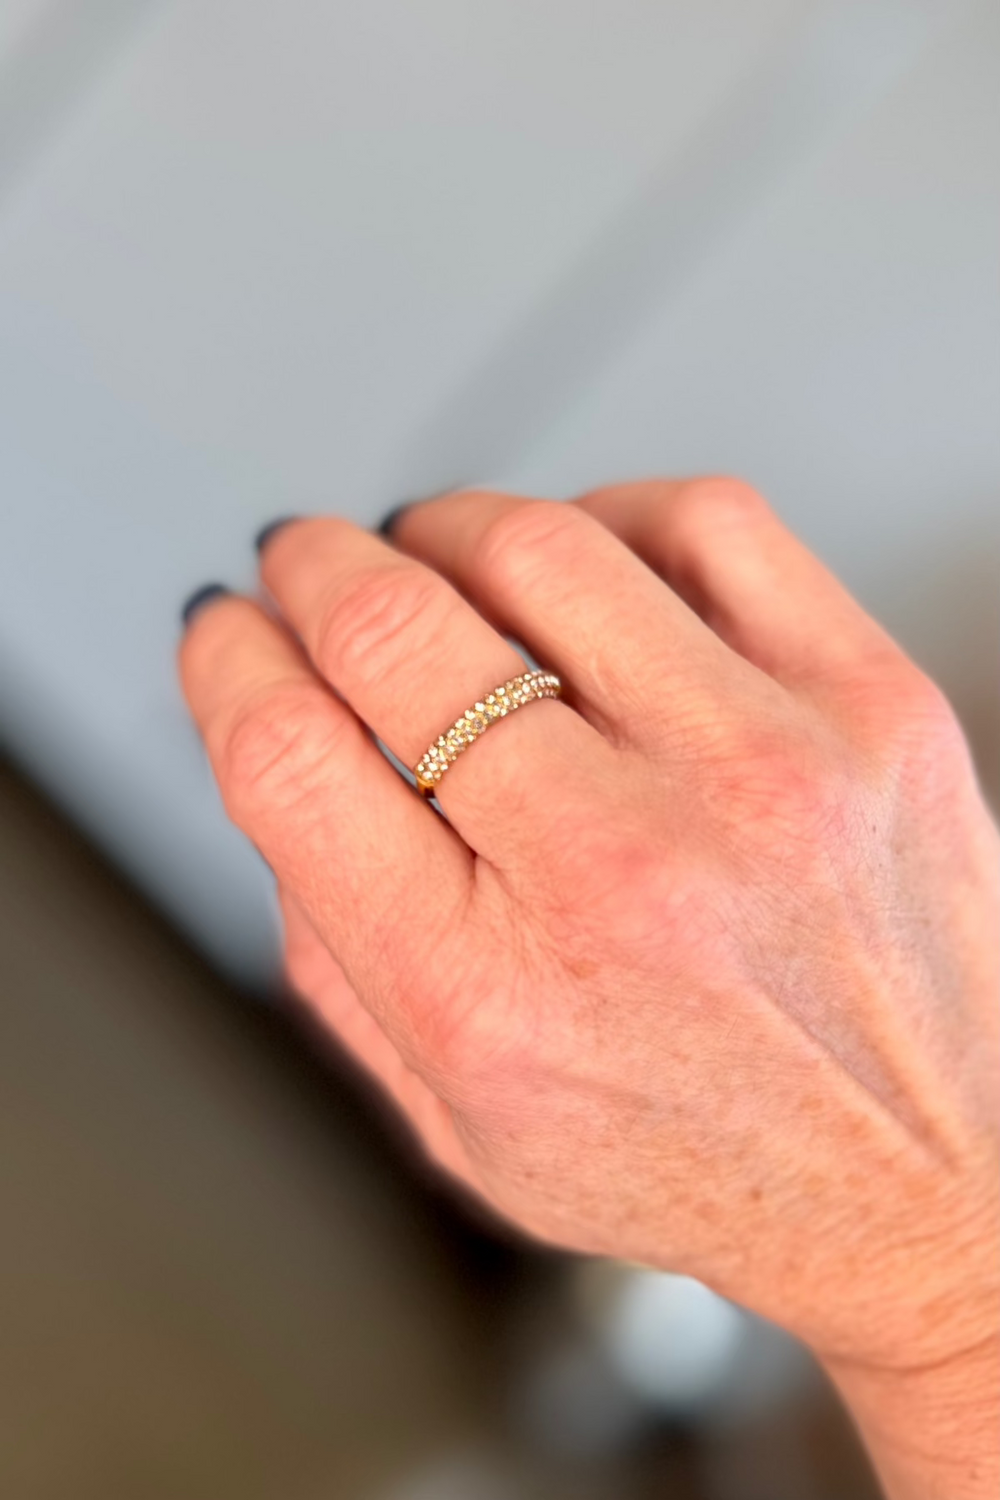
700,967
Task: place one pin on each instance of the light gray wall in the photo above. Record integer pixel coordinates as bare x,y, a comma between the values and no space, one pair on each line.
280,255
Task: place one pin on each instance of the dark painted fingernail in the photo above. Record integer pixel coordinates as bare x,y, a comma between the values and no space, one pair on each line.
265,534
199,598
388,521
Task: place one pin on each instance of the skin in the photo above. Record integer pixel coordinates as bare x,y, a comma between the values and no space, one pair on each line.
700,966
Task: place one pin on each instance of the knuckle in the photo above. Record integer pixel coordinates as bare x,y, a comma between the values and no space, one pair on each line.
921,703
521,539
384,616
605,883
303,964
781,797
918,732
712,502
453,1045
472,1037
276,752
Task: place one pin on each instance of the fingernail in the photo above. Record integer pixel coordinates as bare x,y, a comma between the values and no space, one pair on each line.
199,598
388,521
265,534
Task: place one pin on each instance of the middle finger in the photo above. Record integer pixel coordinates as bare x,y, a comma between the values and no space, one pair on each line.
641,662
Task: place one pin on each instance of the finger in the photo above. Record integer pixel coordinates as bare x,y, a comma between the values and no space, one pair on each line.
722,548
579,600
410,655
323,988
303,778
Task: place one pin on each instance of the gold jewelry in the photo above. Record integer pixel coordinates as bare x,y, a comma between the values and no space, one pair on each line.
503,700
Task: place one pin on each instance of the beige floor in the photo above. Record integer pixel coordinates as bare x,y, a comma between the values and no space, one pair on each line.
220,1277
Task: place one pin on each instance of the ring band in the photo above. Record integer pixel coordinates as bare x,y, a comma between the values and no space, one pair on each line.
503,700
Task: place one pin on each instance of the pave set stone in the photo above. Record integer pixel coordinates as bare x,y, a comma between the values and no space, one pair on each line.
477,719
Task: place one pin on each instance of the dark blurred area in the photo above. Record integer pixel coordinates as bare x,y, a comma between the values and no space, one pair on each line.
263,258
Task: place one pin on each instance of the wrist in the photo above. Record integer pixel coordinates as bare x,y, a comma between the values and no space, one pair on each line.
932,1431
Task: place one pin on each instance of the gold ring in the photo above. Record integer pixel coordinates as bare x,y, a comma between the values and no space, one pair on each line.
503,700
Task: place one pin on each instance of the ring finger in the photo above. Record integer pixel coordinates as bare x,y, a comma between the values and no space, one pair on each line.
410,654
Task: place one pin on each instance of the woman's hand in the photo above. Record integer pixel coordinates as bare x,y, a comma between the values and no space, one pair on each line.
700,968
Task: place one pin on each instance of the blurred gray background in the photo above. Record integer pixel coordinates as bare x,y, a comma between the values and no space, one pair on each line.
260,258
